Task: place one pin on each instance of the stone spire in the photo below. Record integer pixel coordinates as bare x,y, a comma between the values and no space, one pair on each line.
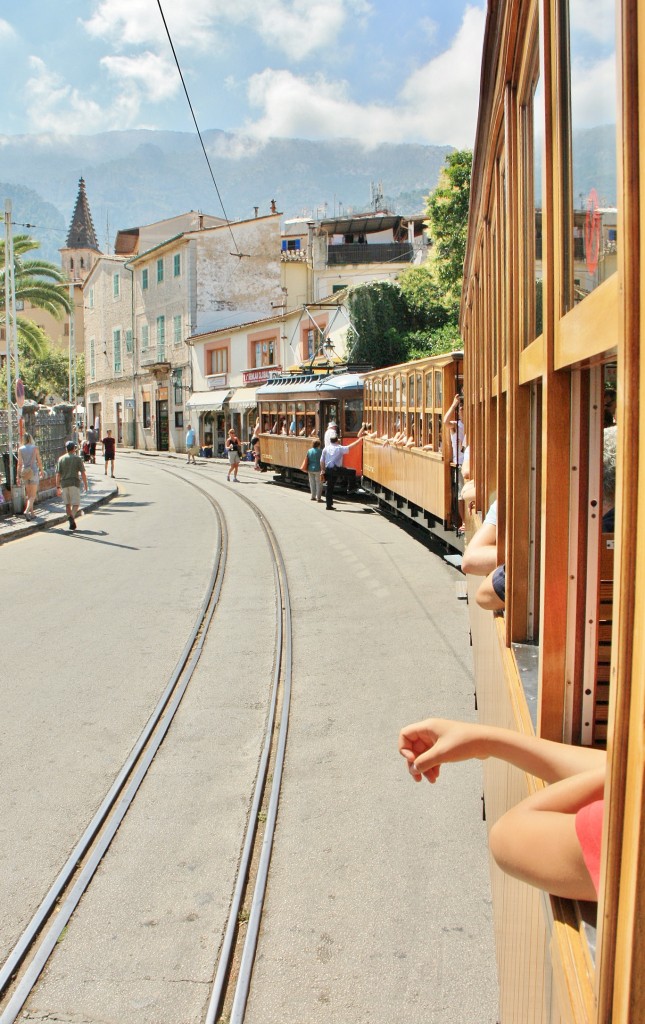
81,233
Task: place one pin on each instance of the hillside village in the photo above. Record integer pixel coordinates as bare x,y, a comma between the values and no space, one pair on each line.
189,315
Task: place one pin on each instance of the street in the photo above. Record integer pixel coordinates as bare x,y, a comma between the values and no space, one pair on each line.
378,902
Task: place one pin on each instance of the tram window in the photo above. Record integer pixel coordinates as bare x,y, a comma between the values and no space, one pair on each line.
590,228
438,390
267,423
419,391
429,432
532,119
438,426
411,391
402,400
310,424
353,412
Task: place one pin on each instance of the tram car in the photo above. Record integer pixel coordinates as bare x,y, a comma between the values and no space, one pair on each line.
551,319
409,461
294,409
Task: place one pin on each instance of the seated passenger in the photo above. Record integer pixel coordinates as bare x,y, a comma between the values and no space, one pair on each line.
552,839
480,556
491,594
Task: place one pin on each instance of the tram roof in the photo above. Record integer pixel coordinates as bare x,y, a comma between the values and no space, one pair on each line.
418,364
310,383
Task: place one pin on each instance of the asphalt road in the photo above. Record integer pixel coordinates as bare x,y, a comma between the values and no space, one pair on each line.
378,904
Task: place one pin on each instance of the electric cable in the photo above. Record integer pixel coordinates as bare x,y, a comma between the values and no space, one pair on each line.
240,255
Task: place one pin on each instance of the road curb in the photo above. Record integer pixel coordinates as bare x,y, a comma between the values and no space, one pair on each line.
54,519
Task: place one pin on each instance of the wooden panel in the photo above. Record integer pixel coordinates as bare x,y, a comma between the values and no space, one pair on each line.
543,960
532,361
591,328
417,476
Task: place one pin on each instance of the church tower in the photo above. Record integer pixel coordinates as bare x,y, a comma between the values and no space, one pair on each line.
81,250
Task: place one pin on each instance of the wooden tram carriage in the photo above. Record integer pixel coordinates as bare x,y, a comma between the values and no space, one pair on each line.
293,409
552,310
413,398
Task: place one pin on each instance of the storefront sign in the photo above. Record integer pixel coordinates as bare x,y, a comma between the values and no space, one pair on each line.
162,394
216,380
261,374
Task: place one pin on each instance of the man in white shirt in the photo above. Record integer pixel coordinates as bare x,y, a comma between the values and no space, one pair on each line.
331,463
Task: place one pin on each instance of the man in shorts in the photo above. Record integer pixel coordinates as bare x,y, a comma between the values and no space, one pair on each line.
70,467
109,450
191,445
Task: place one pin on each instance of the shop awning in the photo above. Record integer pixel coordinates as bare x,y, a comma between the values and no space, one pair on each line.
242,399
208,401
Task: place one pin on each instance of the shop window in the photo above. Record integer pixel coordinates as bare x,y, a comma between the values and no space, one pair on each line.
179,419
146,415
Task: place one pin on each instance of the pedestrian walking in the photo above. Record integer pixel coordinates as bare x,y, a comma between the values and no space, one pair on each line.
332,464
233,448
109,450
70,467
30,468
191,445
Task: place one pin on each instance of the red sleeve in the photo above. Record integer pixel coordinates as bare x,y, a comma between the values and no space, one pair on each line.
589,832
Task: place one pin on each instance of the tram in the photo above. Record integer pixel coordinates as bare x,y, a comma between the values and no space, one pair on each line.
295,408
552,305
420,477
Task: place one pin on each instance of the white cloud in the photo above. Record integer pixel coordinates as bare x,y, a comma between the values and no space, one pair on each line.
157,78
6,31
54,106
437,104
594,18
593,93
295,27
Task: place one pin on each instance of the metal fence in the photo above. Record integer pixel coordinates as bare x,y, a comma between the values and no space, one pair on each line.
51,428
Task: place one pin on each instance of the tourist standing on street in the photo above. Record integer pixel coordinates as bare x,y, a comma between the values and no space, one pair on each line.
332,463
314,456
30,467
233,447
109,450
191,446
70,467
92,437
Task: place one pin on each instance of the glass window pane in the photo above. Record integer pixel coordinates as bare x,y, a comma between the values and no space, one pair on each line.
592,224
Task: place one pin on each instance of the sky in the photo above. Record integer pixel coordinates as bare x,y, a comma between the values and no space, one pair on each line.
371,70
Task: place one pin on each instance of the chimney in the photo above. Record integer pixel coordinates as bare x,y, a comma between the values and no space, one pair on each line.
256,208
274,208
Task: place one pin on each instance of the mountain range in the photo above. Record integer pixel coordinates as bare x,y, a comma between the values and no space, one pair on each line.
138,177
141,176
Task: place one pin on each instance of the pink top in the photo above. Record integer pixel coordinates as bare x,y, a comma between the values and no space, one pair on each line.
589,832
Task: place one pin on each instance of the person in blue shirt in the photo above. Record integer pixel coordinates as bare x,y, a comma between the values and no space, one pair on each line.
314,456
191,445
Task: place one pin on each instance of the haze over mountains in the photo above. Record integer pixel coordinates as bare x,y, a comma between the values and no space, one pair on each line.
138,177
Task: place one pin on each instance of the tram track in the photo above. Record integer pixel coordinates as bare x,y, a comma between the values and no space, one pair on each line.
234,962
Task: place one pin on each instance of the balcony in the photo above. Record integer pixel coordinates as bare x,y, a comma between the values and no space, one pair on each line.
155,359
364,252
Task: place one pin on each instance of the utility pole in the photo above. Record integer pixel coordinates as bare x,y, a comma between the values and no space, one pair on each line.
10,325
72,356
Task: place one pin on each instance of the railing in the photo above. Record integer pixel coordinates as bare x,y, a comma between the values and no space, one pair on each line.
365,252
154,355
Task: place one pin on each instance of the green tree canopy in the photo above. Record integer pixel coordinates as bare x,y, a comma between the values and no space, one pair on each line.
447,211
44,374
380,319
38,282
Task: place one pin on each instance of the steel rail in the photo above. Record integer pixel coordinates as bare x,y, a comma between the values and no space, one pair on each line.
115,803
282,675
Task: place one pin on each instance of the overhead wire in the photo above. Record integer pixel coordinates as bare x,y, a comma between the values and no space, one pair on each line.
237,253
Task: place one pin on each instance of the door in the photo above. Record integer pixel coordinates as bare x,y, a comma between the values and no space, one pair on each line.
162,426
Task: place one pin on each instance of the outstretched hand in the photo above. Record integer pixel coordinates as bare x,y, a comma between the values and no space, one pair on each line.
429,744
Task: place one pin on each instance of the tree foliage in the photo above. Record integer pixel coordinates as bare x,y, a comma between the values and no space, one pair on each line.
38,282
45,374
419,315
447,211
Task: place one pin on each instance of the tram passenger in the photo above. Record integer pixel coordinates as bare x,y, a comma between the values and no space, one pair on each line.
332,428
491,594
480,556
552,839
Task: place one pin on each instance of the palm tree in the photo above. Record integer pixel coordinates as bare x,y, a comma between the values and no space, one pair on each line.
38,282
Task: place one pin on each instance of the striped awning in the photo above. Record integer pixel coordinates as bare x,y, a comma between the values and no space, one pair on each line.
208,401
242,399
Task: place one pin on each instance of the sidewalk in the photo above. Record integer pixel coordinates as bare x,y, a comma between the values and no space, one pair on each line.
51,511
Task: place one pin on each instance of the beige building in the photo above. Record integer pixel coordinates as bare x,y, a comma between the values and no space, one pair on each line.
166,282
